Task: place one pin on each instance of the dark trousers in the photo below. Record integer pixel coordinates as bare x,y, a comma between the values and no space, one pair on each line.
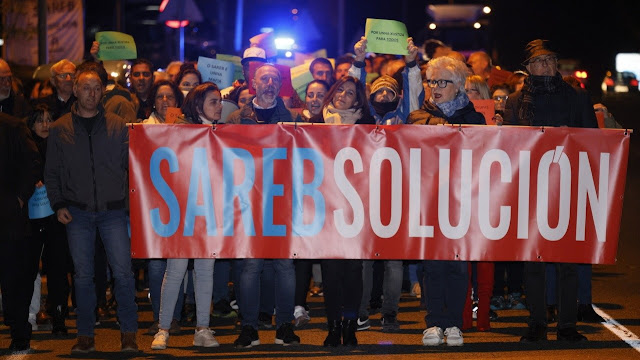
50,235
567,287
446,285
508,274
18,267
342,287
303,279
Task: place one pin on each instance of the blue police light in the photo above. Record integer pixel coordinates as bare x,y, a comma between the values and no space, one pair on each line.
283,43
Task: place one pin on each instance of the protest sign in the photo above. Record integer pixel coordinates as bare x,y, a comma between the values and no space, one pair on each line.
172,115
300,78
39,206
386,37
237,65
116,46
498,76
486,108
217,71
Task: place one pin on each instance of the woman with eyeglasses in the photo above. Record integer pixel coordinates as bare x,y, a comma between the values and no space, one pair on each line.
446,281
201,106
165,94
477,88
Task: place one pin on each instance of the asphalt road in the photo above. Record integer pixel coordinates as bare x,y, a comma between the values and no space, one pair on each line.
615,293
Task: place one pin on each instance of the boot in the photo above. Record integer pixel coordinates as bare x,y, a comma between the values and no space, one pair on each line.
349,328
335,333
59,328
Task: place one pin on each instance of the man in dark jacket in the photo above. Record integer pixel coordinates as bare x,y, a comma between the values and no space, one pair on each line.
20,169
86,177
62,74
547,100
11,102
266,108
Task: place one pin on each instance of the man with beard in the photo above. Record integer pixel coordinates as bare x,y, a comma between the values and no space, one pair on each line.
266,107
62,74
386,104
11,102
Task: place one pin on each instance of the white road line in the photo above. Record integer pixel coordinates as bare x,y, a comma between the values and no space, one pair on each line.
620,331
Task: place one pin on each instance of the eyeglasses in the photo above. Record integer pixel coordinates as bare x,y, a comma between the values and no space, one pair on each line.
501,97
165,97
440,83
44,120
63,76
468,91
547,60
5,78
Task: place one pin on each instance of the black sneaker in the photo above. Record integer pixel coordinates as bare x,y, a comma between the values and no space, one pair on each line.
390,323
223,309
248,338
363,323
587,314
535,333
570,334
285,335
265,321
19,347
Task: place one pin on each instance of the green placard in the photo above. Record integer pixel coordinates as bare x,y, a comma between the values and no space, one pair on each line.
386,37
237,68
116,46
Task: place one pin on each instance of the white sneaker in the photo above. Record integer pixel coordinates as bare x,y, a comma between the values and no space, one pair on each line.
160,340
433,336
205,338
301,316
454,336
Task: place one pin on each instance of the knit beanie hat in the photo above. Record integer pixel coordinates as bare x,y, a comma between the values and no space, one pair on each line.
385,81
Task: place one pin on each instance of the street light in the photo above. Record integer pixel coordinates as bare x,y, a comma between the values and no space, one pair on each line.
177,14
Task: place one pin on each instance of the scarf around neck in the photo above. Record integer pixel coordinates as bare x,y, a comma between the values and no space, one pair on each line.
332,115
537,85
450,107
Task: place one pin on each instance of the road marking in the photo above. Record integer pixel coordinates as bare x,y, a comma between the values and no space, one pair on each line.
620,331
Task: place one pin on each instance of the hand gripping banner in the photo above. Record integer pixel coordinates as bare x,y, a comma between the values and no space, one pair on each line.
377,192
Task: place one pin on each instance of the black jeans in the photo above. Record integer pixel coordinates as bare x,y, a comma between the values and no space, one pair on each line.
342,287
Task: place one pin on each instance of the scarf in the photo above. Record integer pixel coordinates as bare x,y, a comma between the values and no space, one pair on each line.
332,115
382,108
536,85
450,107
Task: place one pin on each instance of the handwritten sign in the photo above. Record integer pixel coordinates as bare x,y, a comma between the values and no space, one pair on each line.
386,37
217,71
172,115
39,206
116,46
237,65
486,108
498,76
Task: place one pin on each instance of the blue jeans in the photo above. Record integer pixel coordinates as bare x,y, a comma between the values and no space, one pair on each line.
221,277
584,284
171,288
446,291
249,291
156,269
81,234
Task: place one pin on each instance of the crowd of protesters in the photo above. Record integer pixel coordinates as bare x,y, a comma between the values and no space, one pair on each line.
70,136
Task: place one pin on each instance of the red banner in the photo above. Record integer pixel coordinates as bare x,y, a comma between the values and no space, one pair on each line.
377,192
